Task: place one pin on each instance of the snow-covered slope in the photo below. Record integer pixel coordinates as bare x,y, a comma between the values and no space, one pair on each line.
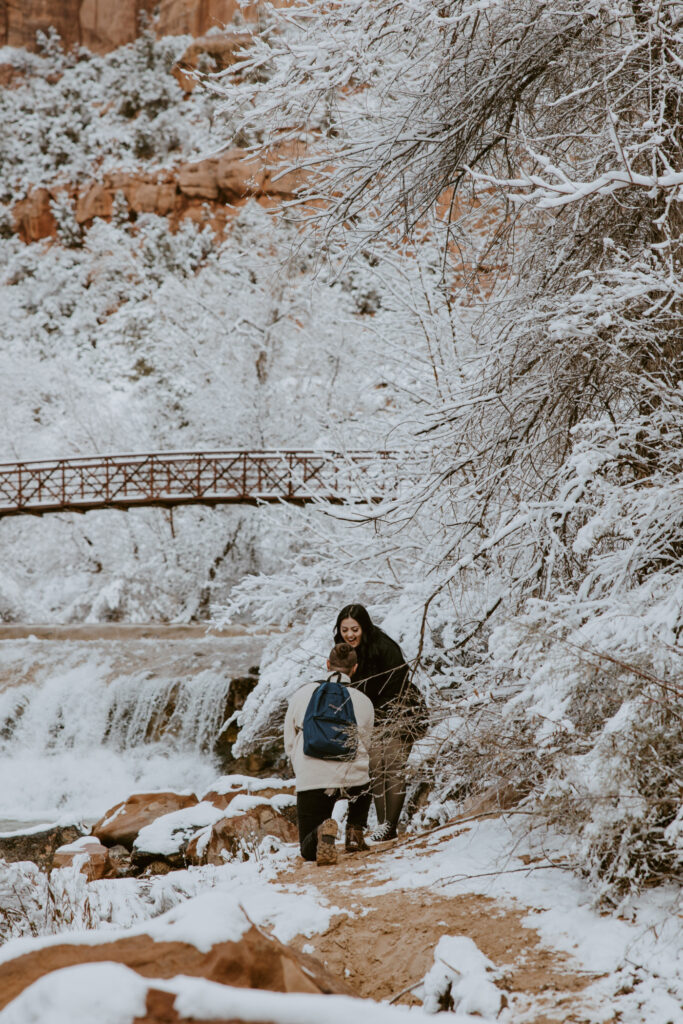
128,337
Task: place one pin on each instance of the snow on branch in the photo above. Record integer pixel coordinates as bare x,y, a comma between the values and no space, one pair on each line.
549,194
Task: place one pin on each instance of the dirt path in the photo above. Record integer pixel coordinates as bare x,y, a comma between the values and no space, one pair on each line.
383,944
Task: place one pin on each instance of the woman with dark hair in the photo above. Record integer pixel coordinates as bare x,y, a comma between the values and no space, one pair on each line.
382,675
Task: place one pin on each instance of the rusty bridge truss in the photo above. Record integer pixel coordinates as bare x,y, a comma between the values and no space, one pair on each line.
192,478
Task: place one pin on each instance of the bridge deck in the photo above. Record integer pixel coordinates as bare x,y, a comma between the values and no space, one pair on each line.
191,478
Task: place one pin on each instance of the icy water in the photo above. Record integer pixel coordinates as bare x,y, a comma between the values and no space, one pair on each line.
90,714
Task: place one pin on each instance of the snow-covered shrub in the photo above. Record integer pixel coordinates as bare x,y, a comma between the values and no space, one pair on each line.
610,735
75,115
34,903
538,144
69,231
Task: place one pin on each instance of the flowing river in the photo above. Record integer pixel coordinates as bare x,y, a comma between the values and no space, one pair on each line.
90,714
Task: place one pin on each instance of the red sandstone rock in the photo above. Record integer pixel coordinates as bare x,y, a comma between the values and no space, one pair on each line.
102,25
254,961
160,1009
97,201
10,76
236,835
238,175
196,17
198,180
222,182
98,24
121,824
33,217
218,51
275,183
39,846
96,862
23,18
152,197
242,786
143,193
230,176
120,862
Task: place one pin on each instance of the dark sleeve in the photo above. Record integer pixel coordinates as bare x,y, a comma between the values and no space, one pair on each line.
399,700
393,658
387,672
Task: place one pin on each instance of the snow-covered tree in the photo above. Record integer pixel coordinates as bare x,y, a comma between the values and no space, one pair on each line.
539,142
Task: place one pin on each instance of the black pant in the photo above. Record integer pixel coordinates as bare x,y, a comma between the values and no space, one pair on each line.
313,806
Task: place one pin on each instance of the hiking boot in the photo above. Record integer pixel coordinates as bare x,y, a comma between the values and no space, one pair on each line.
383,833
326,852
355,843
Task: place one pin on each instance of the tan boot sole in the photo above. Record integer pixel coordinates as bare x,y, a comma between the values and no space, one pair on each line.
327,851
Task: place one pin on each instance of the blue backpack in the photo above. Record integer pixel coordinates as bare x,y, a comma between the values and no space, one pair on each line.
330,730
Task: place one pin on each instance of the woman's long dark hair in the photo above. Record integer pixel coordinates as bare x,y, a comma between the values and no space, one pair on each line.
370,633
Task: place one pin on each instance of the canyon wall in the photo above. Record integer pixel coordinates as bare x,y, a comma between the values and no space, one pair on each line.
102,25
168,184
208,192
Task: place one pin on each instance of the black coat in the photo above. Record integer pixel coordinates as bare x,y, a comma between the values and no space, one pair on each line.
382,675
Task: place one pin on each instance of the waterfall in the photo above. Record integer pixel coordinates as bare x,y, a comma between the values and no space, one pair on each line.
84,724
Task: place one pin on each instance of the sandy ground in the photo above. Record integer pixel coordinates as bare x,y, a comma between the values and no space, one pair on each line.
384,944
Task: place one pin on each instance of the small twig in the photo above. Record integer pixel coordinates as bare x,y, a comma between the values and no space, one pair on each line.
461,821
506,871
470,636
405,991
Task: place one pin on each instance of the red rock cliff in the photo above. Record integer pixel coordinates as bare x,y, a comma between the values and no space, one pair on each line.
102,25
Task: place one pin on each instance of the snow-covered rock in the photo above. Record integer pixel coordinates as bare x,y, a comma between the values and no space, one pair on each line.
168,835
91,856
460,980
227,787
241,827
112,994
37,844
208,937
122,823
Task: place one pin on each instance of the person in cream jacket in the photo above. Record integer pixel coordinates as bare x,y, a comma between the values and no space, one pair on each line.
320,783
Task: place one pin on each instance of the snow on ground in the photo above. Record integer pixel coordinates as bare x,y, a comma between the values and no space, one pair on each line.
239,783
638,957
640,953
201,906
468,987
109,993
113,994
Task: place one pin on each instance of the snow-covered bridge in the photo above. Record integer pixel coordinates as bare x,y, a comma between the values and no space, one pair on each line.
167,479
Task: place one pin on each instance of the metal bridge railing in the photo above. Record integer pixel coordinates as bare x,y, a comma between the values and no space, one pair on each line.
168,479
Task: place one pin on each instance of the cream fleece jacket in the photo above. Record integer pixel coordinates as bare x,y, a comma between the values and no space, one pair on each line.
313,772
